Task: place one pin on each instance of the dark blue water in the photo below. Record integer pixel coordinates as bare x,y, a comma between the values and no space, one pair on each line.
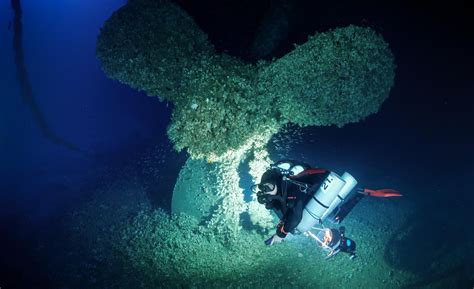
420,142
103,119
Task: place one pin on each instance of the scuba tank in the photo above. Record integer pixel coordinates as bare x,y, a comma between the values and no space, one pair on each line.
333,190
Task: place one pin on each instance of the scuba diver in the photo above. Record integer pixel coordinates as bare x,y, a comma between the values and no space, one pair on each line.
303,197
285,198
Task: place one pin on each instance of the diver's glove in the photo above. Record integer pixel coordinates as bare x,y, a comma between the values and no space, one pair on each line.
273,240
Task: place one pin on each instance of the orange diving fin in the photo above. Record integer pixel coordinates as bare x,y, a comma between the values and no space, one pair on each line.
382,193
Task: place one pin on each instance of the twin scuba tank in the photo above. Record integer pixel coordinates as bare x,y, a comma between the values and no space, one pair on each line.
330,195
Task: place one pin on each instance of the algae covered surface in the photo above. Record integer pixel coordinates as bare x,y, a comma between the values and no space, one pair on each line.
116,239
336,77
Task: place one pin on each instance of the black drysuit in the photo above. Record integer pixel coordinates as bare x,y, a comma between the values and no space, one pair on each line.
291,198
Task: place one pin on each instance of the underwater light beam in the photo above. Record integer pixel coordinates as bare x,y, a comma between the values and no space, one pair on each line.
25,84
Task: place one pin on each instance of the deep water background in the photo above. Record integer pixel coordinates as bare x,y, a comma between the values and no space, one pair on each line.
421,141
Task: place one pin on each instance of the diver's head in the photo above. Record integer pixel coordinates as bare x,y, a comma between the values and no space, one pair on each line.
268,187
266,193
270,182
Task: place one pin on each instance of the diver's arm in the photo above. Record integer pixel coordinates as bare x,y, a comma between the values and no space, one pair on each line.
281,230
279,236
291,219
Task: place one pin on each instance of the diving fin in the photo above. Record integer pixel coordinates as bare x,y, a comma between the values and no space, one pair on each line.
382,193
